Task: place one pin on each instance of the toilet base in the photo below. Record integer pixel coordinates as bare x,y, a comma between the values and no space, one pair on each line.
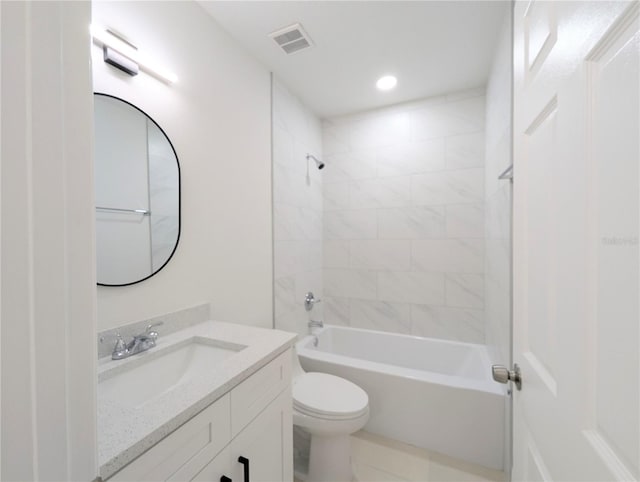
330,459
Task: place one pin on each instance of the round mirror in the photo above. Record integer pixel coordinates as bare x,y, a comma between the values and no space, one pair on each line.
137,186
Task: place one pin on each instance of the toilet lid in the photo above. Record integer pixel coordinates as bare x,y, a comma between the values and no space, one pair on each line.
327,396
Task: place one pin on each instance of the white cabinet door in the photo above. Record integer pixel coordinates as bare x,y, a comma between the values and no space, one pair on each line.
266,444
576,213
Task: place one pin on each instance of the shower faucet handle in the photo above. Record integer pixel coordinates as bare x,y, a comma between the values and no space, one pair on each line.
310,300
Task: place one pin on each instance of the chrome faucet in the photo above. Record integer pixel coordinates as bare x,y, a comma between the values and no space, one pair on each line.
310,300
139,343
315,324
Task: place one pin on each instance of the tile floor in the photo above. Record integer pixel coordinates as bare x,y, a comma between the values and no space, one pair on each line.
379,459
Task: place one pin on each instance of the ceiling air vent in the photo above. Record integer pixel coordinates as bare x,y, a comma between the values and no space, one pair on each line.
292,38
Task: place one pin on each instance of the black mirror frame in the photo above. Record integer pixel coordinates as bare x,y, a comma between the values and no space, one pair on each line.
179,192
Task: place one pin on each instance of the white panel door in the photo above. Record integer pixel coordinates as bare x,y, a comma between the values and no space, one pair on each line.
47,282
576,217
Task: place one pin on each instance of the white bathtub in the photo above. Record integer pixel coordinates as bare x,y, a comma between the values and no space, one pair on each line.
431,393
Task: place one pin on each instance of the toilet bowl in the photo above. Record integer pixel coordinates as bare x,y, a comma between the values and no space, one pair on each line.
329,409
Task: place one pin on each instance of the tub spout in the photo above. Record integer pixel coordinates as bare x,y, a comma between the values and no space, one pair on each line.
316,324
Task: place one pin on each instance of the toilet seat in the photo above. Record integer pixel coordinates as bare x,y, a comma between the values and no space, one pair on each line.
329,397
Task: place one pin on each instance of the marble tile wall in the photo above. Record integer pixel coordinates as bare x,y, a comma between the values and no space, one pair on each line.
403,228
498,202
163,197
297,210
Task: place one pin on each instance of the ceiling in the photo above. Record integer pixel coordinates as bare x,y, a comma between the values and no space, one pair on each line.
432,47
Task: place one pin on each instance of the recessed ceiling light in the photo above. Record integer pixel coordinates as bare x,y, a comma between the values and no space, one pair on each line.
387,82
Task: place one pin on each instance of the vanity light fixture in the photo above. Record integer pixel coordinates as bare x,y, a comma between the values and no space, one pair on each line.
387,82
126,57
119,61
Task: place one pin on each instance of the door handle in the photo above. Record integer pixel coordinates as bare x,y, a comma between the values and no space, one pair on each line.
245,461
224,478
502,374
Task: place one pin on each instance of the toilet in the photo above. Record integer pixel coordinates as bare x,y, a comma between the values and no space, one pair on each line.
329,409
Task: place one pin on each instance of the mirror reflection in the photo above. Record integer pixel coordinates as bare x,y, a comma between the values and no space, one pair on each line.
137,186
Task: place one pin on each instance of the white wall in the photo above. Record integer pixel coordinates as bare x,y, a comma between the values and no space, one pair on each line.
48,324
297,203
404,216
218,118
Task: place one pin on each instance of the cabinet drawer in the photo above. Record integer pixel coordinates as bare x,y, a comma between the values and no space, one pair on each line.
184,452
251,397
216,468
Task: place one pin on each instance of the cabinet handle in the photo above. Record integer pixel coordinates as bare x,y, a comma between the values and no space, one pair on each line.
224,478
245,461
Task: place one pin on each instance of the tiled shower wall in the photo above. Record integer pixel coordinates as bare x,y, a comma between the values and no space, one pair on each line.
498,201
403,222
163,187
297,210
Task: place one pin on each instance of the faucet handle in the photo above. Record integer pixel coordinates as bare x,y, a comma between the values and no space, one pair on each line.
159,323
152,333
120,348
119,342
153,325
310,300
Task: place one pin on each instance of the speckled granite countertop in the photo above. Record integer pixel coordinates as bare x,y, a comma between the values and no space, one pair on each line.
125,432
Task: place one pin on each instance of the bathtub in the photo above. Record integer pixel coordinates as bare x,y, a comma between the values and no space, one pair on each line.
431,393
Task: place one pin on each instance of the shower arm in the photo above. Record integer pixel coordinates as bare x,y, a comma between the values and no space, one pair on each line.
318,162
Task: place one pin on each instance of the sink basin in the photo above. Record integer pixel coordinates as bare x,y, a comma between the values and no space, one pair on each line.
159,371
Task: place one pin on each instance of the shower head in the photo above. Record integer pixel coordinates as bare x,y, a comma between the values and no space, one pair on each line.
319,164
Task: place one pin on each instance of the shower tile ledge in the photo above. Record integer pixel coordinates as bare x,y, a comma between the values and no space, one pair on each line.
124,433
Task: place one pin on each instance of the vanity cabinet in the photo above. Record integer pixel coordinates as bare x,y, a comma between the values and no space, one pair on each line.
253,420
